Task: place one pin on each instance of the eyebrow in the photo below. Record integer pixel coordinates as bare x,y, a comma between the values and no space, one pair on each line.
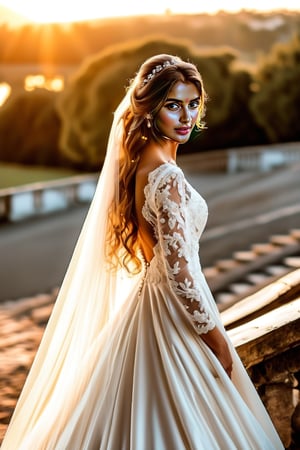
181,101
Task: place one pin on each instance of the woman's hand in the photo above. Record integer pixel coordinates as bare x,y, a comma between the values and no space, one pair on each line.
218,344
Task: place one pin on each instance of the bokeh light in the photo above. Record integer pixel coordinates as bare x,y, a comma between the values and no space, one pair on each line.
5,91
32,82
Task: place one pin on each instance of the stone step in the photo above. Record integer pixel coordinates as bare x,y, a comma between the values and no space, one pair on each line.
257,278
263,249
282,290
224,265
211,272
21,307
225,298
281,239
41,315
277,270
245,256
246,272
292,261
295,233
239,288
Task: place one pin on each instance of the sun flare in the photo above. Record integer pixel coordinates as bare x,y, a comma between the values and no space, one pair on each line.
57,11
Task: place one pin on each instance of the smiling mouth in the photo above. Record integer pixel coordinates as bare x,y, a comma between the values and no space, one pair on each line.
183,130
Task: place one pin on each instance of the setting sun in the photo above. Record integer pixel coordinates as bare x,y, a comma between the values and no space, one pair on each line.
58,11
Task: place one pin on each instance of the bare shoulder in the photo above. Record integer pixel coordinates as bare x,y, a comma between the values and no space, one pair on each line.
147,167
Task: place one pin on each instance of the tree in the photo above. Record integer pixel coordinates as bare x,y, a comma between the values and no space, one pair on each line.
86,107
277,98
29,129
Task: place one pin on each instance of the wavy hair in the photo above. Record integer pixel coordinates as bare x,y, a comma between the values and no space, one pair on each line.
149,91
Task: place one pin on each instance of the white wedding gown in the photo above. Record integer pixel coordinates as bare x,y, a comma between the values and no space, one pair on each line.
149,382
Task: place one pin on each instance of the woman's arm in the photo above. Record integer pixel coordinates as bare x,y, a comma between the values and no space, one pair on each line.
218,344
174,237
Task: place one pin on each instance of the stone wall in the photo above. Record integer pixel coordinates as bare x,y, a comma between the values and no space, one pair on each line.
265,329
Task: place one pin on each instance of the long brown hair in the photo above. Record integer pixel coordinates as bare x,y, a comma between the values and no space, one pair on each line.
149,91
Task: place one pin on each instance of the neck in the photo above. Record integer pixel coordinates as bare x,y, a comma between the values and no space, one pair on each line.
169,150
162,152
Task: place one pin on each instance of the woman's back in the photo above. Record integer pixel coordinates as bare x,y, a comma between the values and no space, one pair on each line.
145,232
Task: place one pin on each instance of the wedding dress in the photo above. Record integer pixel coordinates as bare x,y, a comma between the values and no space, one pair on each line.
122,365
148,381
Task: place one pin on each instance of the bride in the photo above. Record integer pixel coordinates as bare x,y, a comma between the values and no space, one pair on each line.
134,356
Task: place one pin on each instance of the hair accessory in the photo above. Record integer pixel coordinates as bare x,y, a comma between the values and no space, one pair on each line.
144,138
157,69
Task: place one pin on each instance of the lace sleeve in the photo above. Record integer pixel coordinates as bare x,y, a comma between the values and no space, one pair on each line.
174,237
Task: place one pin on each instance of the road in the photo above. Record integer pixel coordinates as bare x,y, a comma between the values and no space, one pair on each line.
244,208
34,254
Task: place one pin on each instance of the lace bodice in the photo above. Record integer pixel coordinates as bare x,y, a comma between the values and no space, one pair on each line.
178,215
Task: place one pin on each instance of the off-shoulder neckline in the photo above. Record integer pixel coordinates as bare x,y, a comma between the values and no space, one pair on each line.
151,177
161,166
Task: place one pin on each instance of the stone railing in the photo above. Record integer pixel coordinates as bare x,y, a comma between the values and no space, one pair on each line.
250,270
227,160
265,329
255,158
213,161
69,188
263,158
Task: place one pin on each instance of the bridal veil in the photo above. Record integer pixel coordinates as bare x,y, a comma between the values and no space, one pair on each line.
89,296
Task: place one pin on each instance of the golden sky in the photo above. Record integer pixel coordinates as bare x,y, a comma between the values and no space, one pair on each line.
43,11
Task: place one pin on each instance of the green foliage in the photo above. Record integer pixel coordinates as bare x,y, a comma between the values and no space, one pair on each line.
87,105
29,129
277,98
236,126
71,128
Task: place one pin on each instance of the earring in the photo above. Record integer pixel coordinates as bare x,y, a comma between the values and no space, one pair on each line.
148,118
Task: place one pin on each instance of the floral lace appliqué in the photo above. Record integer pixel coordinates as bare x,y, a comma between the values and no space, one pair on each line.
171,216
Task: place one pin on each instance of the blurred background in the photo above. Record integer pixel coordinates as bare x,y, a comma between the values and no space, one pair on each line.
64,67
60,81
63,70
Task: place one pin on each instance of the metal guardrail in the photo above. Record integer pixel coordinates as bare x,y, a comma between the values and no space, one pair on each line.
69,186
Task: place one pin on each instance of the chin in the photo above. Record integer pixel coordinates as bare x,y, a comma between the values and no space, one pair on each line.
183,141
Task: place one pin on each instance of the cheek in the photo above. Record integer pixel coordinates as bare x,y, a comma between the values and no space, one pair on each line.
166,119
194,115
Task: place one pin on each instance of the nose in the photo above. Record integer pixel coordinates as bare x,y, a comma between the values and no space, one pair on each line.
186,117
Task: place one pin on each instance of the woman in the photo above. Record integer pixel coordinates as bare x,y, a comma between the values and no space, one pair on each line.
134,355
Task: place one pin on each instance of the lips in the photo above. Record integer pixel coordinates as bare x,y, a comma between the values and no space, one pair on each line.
183,131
